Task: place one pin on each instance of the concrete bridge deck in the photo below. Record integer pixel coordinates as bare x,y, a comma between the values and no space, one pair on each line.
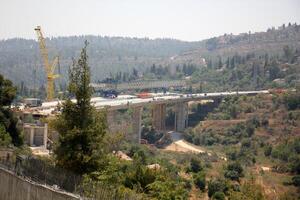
158,101
125,101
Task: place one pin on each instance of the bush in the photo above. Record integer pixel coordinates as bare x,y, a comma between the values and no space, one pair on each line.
234,171
195,165
296,180
218,196
246,143
268,150
217,185
166,190
199,181
292,101
5,138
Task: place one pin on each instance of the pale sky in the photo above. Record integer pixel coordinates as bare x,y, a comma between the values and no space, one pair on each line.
189,20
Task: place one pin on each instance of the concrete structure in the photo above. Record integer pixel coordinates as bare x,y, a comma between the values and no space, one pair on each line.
140,85
35,135
181,116
13,187
137,122
159,117
158,103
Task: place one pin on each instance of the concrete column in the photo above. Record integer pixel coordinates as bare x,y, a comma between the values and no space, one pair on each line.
137,122
45,135
31,143
181,116
159,117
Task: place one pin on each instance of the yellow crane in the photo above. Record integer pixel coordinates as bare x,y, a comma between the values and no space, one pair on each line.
49,68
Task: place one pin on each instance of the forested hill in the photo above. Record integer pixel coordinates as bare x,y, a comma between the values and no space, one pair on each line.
271,42
20,59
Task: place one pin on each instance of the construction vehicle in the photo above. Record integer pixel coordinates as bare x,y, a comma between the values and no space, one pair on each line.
49,68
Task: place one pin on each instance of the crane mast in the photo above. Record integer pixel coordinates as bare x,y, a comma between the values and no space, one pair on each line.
49,68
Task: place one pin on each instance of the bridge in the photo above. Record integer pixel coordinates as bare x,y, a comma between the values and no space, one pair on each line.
134,85
158,102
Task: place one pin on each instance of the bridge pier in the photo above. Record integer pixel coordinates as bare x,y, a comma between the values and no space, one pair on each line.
181,116
159,117
137,122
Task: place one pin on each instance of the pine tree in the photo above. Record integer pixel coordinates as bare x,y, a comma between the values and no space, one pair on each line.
81,128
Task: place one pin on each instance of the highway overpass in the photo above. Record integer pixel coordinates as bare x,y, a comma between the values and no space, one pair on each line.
157,101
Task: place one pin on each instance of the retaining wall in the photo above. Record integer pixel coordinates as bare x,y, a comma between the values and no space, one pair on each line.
13,187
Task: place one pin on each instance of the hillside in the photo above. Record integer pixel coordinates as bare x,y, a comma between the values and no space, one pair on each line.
261,133
20,59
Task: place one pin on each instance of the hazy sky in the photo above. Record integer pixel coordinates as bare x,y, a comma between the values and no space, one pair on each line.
180,19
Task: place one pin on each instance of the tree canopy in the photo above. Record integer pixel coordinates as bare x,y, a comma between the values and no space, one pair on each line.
81,128
9,133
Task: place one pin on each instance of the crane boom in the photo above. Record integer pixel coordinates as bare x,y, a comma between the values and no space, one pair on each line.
49,68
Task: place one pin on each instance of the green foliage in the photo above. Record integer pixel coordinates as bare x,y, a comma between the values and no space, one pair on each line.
81,128
296,181
7,91
268,150
234,171
195,165
288,152
8,121
274,71
292,100
149,134
199,180
217,185
139,178
5,138
228,109
166,190
218,196
248,191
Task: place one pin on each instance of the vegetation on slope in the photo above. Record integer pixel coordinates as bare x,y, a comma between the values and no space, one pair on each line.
260,137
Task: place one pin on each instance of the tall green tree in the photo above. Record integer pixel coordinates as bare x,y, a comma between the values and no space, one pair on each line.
81,128
8,122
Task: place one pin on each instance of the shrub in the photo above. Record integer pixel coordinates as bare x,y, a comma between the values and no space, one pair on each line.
217,185
199,181
234,171
218,196
292,101
296,180
195,165
268,150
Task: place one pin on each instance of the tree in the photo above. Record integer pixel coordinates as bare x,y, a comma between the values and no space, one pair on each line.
7,91
220,64
8,121
288,53
81,128
274,71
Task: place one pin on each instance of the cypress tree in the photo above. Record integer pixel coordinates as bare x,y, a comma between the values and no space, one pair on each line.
81,128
